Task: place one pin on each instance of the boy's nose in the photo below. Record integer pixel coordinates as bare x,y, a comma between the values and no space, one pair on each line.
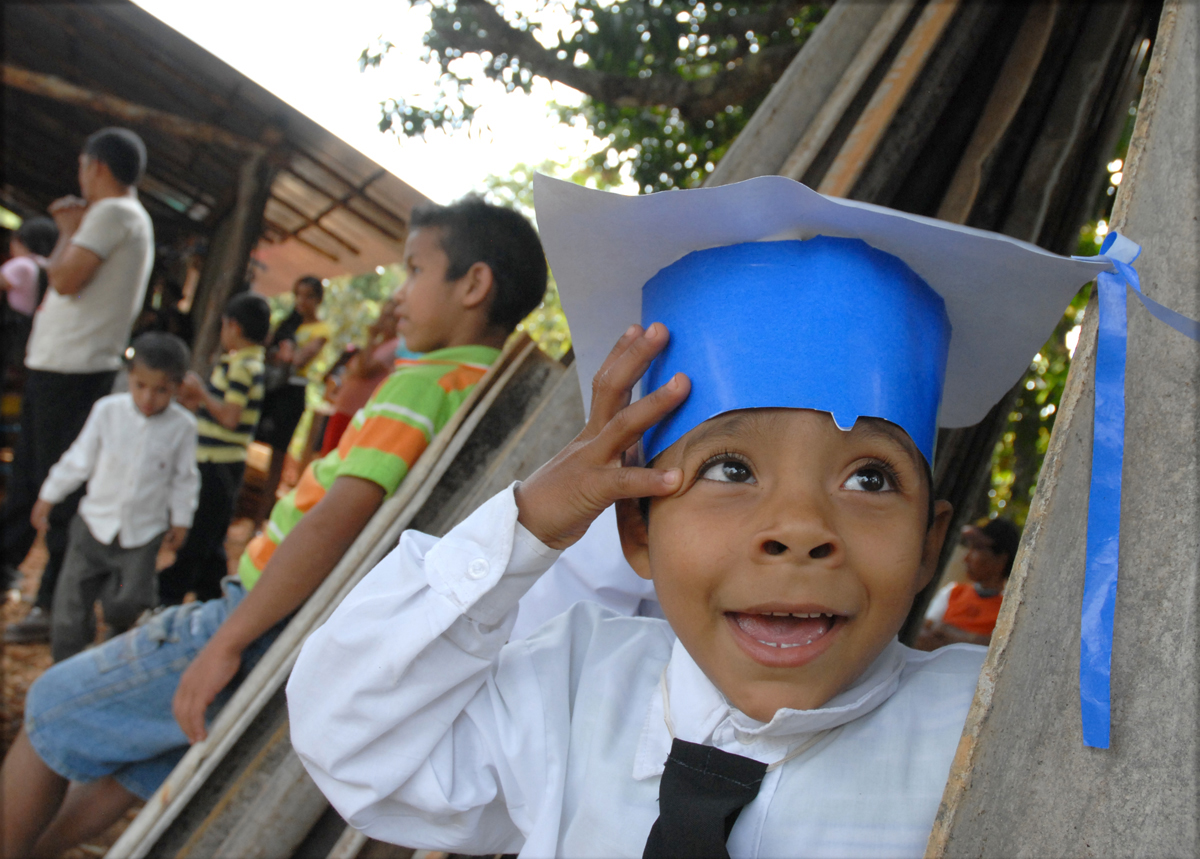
775,547
800,529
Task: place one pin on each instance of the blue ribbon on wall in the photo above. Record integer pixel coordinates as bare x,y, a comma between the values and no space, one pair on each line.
1104,502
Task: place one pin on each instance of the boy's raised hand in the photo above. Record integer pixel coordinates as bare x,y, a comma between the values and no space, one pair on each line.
563,497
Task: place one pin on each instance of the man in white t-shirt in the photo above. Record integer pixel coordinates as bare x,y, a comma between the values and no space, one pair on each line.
98,273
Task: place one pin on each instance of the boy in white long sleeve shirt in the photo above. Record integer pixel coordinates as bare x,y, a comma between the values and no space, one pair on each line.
785,518
137,454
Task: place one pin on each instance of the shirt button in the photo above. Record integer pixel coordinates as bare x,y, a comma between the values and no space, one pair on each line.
478,568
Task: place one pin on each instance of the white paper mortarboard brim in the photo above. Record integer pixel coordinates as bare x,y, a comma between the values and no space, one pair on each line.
1003,296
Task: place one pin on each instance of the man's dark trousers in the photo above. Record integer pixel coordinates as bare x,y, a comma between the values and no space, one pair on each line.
54,408
201,564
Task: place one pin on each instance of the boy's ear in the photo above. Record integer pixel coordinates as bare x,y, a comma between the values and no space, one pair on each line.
935,536
635,537
476,285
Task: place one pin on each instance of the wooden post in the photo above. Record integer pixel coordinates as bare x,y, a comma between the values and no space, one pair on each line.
224,268
1022,782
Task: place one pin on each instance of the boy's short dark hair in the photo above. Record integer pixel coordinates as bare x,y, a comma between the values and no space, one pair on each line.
999,536
252,314
472,231
313,283
157,350
38,234
122,150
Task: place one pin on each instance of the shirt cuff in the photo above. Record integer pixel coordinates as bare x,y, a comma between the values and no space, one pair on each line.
487,563
47,493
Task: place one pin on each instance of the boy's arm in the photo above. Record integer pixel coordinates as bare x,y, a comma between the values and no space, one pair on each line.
227,410
77,464
296,569
399,710
70,266
309,351
402,706
184,494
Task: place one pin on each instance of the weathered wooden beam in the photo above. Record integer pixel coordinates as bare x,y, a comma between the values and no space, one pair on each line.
310,221
386,230
817,134
224,269
1022,781
1015,77
871,126
64,91
771,134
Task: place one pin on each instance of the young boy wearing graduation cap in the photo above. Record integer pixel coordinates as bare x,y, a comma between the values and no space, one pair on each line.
798,356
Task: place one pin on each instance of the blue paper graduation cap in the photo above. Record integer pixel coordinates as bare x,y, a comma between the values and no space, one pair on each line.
777,296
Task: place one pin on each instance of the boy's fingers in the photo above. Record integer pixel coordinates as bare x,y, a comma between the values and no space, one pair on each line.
640,482
613,384
607,397
618,349
623,431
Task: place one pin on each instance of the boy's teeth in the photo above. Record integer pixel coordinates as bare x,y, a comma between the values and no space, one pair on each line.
785,629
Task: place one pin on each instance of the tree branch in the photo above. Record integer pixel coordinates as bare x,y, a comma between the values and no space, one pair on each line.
695,99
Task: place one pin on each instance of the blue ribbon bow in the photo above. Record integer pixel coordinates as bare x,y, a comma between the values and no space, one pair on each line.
1104,502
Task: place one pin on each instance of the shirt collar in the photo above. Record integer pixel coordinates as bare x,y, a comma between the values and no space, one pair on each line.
699,710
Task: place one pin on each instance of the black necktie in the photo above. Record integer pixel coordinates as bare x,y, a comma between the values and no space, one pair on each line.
702,792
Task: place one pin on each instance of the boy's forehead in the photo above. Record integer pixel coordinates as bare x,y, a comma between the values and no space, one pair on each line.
148,375
424,240
778,425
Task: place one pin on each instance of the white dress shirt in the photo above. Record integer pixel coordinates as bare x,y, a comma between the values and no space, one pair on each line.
424,729
141,471
592,569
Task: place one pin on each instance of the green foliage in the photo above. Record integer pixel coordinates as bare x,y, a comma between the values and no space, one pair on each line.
1021,449
669,83
547,324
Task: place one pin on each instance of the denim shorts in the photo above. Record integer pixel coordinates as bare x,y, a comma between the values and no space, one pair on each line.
107,711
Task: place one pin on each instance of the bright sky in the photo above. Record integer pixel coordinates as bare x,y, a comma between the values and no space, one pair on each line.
306,53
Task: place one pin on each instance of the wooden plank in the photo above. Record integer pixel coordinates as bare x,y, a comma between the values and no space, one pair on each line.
1022,782
771,134
964,455
1006,97
890,94
816,135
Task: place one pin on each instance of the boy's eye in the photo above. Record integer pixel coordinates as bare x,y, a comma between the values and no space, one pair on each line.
727,471
870,478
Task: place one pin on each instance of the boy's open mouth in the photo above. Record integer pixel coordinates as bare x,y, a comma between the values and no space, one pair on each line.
781,637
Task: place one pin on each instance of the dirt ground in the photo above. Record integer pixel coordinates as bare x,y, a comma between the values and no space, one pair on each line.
21,664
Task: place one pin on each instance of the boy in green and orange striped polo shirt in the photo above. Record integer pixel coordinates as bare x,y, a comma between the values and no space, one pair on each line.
382,442
474,271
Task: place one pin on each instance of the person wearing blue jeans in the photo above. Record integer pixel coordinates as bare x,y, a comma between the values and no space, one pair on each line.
123,678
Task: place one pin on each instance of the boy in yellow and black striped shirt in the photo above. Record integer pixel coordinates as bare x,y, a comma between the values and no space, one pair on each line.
229,405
